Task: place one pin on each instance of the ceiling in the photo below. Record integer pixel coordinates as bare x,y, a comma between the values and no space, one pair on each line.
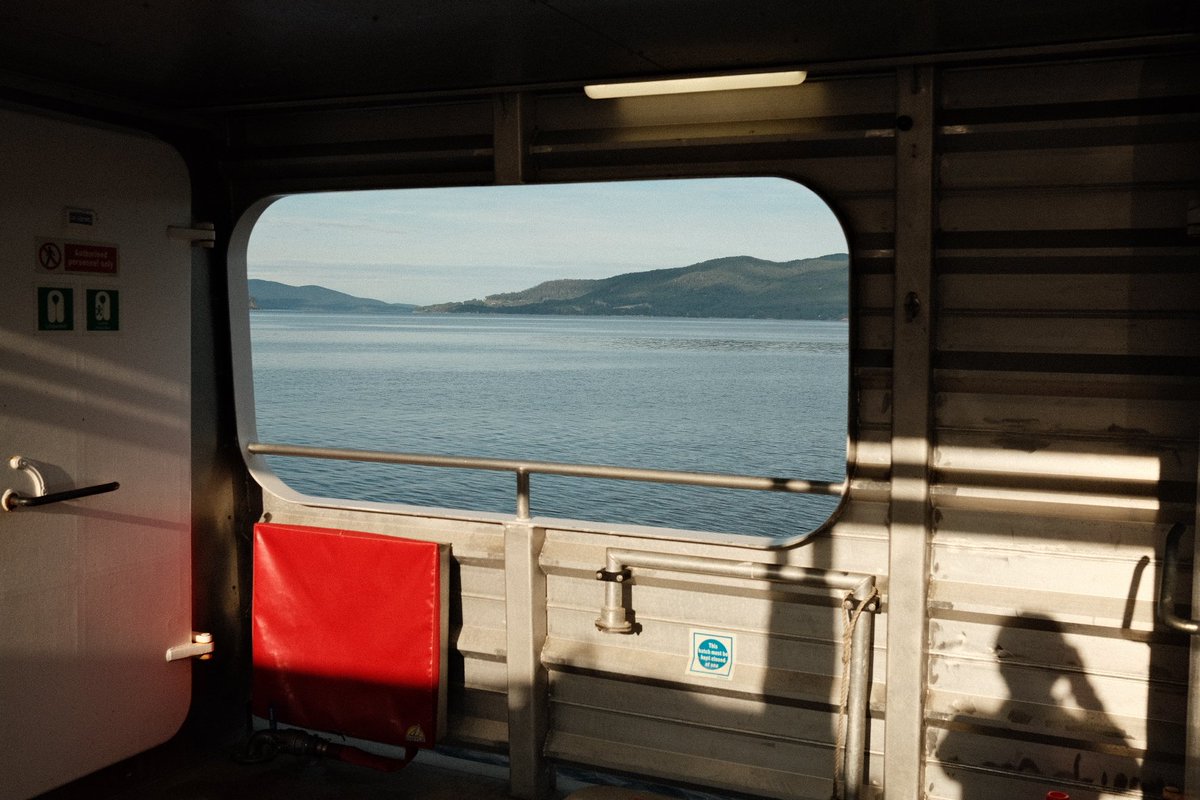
189,54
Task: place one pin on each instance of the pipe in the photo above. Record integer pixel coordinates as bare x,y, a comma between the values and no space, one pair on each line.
858,703
1168,581
861,587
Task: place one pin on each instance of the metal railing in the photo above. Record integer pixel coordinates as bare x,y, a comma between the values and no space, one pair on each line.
526,599
523,469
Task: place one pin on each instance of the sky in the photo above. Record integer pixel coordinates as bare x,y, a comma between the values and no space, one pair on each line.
428,246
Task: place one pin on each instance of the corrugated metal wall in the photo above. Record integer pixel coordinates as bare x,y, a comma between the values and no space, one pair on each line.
1064,357
1067,355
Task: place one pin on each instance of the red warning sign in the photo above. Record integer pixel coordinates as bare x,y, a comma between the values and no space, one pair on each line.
55,255
93,258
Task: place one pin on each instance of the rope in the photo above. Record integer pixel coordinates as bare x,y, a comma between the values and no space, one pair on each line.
849,623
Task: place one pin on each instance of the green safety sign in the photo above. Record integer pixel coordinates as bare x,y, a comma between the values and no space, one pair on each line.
56,308
103,310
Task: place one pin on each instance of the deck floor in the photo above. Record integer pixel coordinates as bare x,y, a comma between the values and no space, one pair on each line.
187,771
192,768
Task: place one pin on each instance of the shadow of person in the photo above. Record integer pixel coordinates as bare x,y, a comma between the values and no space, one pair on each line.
1051,733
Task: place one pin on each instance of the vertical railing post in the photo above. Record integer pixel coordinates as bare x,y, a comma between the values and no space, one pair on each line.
859,698
523,502
530,776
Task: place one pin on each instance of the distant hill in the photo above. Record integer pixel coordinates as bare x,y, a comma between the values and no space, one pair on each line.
269,295
737,286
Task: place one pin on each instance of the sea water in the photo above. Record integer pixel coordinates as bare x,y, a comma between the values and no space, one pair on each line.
752,397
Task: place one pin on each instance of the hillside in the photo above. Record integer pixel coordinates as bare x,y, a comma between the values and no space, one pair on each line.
270,295
736,286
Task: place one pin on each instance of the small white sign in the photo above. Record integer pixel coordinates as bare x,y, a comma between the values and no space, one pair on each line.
79,216
712,654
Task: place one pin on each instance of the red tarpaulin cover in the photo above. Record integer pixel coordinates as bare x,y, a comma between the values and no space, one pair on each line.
347,632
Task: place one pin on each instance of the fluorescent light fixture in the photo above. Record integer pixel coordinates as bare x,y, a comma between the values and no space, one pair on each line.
605,91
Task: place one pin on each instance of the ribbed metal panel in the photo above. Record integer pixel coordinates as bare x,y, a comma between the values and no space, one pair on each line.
629,702
1066,425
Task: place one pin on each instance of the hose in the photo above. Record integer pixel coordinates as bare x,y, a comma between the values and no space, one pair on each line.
265,745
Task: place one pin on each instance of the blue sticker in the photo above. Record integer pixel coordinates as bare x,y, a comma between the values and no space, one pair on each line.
712,654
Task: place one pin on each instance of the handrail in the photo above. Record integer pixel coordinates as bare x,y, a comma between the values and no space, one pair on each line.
13,500
1168,580
523,469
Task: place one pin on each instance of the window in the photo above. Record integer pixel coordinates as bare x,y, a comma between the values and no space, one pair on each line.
687,325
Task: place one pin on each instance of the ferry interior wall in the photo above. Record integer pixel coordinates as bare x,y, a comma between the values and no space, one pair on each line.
1002,605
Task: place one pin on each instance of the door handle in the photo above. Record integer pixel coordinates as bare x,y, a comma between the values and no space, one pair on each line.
1168,581
12,500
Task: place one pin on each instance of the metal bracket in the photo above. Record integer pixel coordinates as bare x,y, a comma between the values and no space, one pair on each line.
200,647
24,464
615,576
912,306
202,234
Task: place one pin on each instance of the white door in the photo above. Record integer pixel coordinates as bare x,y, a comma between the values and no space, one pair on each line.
94,388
